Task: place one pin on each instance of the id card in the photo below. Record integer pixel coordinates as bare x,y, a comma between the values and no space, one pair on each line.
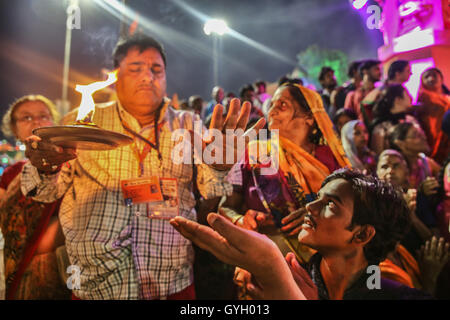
160,195
141,190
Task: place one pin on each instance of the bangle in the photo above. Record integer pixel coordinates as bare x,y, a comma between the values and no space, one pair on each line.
235,221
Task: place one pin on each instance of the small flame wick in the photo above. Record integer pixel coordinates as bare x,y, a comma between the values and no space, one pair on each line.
87,105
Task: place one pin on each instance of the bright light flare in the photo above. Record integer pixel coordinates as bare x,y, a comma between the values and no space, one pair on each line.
87,105
358,4
215,26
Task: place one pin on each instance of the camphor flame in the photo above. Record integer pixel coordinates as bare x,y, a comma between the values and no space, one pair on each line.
87,105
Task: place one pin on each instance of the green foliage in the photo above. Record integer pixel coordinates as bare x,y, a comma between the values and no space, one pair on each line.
314,58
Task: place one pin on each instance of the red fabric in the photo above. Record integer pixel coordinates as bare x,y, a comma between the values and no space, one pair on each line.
50,209
325,155
10,173
186,294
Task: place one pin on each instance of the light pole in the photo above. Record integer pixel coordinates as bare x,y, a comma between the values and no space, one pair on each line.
218,28
73,12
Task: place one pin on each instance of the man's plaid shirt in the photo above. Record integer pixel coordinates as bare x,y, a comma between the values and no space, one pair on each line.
121,253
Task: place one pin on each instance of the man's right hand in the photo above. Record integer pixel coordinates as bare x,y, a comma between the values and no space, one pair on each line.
253,219
45,156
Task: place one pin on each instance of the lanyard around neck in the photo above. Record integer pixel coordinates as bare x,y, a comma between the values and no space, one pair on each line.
149,144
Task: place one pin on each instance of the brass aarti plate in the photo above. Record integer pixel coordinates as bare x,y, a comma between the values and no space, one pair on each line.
83,137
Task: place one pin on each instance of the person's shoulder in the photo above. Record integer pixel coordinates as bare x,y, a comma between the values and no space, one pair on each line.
10,173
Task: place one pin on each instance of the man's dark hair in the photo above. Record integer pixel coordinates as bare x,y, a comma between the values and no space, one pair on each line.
323,72
352,68
380,205
367,64
396,66
138,40
244,89
259,83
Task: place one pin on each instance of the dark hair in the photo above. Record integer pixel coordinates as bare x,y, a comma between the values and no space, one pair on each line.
244,89
396,66
367,64
385,101
344,112
398,132
324,71
286,80
136,40
380,205
298,96
259,83
352,68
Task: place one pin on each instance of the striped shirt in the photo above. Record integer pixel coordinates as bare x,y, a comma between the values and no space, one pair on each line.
120,252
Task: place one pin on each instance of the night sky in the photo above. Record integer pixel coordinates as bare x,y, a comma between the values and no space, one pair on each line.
32,36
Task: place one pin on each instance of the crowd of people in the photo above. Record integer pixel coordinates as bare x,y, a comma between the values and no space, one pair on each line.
363,181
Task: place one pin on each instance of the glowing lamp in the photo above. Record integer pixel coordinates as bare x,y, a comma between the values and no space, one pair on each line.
84,134
215,26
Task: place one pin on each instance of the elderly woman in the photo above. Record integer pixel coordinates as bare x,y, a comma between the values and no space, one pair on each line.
33,237
273,203
354,137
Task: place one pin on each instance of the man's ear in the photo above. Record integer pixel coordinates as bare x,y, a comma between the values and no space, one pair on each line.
364,234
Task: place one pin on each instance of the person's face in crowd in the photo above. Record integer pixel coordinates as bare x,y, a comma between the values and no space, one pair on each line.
341,121
141,83
249,95
286,115
29,116
328,219
374,73
415,141
261,88
402,104
394,170
197,105
360,136
218,94
405,74
329,81
432,80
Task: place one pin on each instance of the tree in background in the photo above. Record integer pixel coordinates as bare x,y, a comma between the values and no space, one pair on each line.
314,58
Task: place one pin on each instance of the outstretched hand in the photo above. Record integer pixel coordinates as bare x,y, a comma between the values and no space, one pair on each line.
232,128
246,249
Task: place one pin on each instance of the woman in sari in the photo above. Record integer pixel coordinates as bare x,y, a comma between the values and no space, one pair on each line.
354,137
274,203
34,243
434,99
